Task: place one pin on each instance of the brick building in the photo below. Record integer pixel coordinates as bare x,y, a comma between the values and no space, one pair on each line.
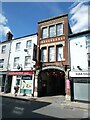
52,56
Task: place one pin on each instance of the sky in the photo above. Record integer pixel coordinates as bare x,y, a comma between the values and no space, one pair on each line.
21,18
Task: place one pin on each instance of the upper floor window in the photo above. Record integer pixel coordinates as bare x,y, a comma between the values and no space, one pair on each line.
16,61
59,29
18,46
59,52
29,44
43,54
3,48
52,31
51,54
45,32
27,61
1,63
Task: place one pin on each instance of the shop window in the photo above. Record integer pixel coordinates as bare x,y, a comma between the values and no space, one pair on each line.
52,31
18,46
88,60
16,62
45,32
27,61
1,63
43,54
29,44
51,54
3,48
59,52
59,29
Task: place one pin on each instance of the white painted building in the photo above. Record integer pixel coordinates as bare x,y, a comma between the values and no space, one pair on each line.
4,58
80,65
21,64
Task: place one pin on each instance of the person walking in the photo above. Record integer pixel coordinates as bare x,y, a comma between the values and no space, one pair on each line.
16,88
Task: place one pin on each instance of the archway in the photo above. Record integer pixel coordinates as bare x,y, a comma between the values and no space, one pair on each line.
51,81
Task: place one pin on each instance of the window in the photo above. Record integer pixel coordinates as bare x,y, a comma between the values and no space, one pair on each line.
59,29
1,63
16,61
45,32
59,55
18,46
27,61
52,31
29,44
3,48
43,55
89,60
51,53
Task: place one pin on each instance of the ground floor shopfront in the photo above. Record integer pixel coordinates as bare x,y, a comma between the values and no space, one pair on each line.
51,81
25,81
80,85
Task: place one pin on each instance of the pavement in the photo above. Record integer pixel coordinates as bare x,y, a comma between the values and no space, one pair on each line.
56,100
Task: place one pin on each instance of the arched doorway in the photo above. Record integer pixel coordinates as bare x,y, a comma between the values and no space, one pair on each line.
51,82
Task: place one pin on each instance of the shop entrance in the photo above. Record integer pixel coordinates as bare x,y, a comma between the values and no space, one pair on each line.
51,82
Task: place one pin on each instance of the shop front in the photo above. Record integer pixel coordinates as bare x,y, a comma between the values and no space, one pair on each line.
80,85
2,81
25,81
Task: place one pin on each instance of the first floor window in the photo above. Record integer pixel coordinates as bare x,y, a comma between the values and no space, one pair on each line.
51,54
59,55
16,61
43,54
1,63
27,61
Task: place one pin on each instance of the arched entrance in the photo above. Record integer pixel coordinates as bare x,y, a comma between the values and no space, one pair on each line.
51,82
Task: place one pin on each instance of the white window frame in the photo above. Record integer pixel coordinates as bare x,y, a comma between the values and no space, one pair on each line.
52,31
16,62
60,30
45,32
59,53
44,55
27,62
18,46
3,48
29,44
51,54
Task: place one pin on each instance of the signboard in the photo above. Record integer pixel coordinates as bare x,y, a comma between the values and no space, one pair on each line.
79,74
21,73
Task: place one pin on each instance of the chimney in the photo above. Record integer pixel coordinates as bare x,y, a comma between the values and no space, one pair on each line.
9,36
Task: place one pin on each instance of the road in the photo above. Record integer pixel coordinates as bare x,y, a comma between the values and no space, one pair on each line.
14,108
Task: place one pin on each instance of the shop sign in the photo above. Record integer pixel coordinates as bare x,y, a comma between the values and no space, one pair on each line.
79,74
21,73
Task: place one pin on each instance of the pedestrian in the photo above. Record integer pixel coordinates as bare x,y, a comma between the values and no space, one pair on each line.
16,88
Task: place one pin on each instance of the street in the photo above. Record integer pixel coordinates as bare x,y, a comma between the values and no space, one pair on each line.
14,108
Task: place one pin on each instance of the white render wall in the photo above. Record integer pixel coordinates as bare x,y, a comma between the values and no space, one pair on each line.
5,55
78,53
21,53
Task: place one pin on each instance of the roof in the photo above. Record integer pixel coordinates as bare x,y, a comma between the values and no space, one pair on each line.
19,38
46,20
79,33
